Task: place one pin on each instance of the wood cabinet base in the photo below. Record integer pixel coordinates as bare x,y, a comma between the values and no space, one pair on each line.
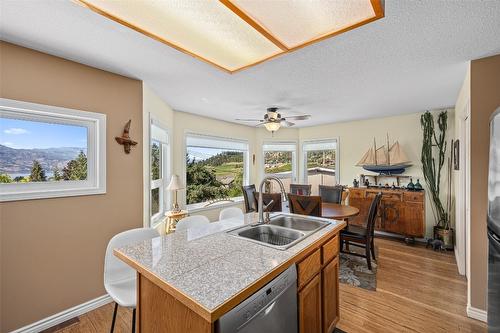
158,311
317,292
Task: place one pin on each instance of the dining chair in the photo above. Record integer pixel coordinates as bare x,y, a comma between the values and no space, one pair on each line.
119,278
332,194
362,236
230,212
274,206
249,197
305,204
300,189
189,222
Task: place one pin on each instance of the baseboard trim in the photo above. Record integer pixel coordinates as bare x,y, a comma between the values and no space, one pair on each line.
64,315
476,313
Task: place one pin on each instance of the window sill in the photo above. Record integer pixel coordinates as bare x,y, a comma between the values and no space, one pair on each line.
200,207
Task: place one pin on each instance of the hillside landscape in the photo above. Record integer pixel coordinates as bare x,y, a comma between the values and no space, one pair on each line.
17,162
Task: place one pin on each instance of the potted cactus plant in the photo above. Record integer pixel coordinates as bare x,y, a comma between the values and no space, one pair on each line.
433,158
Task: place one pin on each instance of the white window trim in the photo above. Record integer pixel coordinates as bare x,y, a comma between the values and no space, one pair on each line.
162,183
281,143
96,151
304,157
200,206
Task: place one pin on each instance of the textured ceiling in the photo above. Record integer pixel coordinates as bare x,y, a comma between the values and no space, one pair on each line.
413,59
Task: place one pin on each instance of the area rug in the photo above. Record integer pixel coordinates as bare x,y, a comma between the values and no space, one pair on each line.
354,272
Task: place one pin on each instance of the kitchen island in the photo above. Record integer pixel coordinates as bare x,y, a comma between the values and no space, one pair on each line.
189,279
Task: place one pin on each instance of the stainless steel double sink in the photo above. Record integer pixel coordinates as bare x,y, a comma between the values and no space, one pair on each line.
282,232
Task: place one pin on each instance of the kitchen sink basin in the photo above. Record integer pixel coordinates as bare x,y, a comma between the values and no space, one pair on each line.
271,235
297,223
282,232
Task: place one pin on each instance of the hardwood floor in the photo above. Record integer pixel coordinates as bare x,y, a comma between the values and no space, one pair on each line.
418,290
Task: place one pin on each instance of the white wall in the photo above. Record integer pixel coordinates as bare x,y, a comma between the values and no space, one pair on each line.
462,110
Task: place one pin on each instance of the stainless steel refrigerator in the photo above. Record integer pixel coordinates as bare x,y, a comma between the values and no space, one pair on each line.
494,226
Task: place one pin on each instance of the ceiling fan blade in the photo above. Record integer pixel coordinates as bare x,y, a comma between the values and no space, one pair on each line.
238,119
287,123
301,117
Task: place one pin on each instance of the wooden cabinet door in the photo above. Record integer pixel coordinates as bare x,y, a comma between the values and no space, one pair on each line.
330,291
414,219
361,204
392,216
310,307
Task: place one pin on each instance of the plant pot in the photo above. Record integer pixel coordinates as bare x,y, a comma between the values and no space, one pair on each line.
446,235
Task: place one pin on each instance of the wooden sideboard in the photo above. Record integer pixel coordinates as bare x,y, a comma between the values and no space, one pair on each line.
400,212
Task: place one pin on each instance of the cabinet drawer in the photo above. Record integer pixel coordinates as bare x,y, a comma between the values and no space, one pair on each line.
414,196
330,249
309,267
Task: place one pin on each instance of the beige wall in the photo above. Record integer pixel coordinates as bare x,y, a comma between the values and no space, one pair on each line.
485,98
153,108
356,137
53,249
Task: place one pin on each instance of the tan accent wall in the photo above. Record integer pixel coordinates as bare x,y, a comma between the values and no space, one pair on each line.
485,98
52,250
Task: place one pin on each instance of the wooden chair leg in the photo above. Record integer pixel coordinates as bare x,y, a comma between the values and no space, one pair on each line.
133,321
368,257
373,250
114,318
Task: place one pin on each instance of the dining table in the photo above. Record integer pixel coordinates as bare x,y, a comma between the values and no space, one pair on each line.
338,211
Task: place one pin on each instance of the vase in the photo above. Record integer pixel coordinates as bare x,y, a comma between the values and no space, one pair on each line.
410,185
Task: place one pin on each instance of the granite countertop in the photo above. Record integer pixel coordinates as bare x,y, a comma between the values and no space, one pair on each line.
207,265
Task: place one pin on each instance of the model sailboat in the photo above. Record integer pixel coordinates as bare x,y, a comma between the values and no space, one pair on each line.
385,160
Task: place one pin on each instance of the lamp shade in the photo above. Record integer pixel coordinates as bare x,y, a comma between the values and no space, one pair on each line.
175,183
272,126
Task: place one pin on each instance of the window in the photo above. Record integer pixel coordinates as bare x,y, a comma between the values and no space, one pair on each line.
320,163
48,151
160,175
279,161
216,168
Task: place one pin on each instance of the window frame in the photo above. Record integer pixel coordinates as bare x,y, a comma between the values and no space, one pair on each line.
304,143
280,143
96,151
202,206
165,172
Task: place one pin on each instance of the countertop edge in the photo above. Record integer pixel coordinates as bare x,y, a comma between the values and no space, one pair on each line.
213,315
180,296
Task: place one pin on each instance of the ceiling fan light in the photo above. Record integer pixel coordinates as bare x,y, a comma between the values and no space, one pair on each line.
272,126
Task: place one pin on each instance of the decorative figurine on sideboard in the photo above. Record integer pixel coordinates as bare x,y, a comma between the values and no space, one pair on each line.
355,183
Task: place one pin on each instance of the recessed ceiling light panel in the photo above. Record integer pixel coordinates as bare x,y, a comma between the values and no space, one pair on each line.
204,29
299,22
237,34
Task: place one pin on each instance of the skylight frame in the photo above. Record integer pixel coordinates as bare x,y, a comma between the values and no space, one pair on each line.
377,5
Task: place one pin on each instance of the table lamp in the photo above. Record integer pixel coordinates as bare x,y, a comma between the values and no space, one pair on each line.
175,185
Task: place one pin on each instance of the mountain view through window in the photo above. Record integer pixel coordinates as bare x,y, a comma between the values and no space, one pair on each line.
34,151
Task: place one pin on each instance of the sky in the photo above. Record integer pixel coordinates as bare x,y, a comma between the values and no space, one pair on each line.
24,134
202,153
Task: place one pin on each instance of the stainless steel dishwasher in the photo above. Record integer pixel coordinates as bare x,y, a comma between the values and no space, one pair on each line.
272,309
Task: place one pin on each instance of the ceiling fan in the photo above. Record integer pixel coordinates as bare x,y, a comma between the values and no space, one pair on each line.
273,120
